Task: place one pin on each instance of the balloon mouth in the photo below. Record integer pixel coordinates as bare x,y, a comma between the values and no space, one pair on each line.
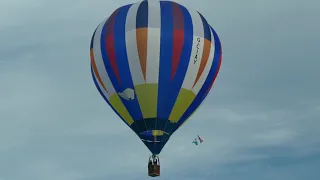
154,136
155,140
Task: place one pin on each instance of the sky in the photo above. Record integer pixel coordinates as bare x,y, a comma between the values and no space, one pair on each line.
260,120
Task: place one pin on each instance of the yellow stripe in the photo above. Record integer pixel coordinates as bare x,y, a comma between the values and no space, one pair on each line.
116,103
147,96
183,101
157,133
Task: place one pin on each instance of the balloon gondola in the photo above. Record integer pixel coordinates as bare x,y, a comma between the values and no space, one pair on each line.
154,166
154,62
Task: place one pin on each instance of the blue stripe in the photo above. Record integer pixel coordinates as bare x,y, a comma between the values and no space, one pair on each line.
142,15
178,79
119,27
206,28
202,93
123,63
165,62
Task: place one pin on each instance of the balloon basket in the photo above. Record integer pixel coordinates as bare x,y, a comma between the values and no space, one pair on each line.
154,166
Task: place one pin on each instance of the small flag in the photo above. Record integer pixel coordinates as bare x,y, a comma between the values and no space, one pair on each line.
200,139
195,141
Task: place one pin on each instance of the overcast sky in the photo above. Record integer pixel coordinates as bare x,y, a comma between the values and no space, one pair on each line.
260,121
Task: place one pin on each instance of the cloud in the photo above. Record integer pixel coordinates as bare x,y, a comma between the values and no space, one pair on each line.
259,122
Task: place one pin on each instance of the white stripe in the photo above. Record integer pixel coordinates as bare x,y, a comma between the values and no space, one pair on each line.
154,15
197,23
207,68
101,87
153,53
99,61
131,17
131,44
197,50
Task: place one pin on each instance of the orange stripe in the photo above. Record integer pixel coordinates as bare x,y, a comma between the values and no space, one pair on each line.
142,44
204,59
95,69
218,69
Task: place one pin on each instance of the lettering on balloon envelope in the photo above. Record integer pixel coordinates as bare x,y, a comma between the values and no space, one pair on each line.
197,53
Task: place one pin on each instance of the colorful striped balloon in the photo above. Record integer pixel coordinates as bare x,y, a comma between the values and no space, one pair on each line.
154,62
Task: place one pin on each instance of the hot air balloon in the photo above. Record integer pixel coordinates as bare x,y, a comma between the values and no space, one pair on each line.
154,63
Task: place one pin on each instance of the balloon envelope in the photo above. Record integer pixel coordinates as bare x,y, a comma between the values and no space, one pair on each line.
154,62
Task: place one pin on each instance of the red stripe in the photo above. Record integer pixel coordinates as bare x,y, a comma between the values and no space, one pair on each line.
178,17
178,39
109,43
110,23
112,55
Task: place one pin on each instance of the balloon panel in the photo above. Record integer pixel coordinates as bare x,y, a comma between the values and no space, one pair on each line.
154,63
